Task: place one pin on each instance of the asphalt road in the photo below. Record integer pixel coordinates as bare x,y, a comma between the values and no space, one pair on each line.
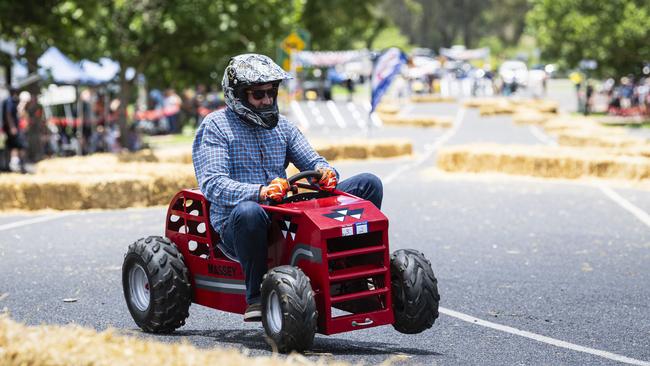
556,259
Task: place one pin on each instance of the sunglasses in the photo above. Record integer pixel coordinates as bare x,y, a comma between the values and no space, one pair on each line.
259,93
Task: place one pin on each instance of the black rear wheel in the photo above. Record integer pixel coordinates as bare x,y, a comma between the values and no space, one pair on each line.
156,285
289,312
415,291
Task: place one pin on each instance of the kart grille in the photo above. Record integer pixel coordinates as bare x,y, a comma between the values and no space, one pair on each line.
357,273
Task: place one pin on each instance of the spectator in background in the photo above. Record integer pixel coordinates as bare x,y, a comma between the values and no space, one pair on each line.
188,108
589,92
16,143
172,108
349,84
156,103
87,142
626,92
199,104
134,140
644,95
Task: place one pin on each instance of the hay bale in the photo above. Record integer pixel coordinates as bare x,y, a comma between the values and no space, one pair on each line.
634,151
542,161
565,123
419,121
142,156
71,192
40,193
113,191
329,152
363,149
353,151
540,105
527,116
431,98
112,181
74,345
501,105
600,138
78,164
11,196
83,186
179,155
164,186
479,102
386,108
390,149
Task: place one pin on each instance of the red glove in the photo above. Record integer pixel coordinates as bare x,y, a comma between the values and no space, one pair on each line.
277,189
328,179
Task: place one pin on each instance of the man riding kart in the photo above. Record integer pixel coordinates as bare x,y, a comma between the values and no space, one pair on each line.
240,154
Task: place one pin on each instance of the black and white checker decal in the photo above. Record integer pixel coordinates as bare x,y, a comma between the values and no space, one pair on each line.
342,213
288,227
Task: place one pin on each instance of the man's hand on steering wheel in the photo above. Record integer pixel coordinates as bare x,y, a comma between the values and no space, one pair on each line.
276,190
328,180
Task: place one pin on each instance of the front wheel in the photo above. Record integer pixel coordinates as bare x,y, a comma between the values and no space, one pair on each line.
415,291
156,285
289,312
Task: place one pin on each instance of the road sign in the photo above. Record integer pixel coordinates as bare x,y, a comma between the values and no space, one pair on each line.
293,42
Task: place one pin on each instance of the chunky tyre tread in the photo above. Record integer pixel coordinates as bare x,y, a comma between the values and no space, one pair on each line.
169,282
298,305
415,292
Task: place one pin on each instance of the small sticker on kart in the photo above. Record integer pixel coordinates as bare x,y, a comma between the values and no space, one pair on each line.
361,227
347,231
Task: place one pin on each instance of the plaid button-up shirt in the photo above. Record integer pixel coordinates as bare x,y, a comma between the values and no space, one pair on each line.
233,160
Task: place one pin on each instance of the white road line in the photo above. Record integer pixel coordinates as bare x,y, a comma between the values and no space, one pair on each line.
335,112
33,221
376,120
373,117
541,136
295,107
634,210
543,339
639,213
316,112
361,121
460,115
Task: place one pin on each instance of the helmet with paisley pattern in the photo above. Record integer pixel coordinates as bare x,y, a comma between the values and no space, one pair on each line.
245,71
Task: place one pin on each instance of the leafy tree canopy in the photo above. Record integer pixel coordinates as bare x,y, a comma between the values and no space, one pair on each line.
615,33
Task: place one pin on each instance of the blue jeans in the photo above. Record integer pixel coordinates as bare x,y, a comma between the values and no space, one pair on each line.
245,230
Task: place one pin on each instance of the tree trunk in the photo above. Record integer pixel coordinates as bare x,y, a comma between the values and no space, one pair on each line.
6,64
467,34
125,92
379,26
36,129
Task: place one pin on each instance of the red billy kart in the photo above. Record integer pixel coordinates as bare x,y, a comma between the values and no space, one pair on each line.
330,270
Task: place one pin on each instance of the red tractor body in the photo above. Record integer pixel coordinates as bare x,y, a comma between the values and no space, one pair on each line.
340,242
329,270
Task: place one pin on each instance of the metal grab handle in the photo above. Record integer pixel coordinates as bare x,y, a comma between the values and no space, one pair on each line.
367,321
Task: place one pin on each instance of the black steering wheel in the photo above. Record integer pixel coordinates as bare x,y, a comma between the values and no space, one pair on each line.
304,196
306,174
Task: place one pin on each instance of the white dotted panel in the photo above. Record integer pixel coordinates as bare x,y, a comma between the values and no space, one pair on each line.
192,245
